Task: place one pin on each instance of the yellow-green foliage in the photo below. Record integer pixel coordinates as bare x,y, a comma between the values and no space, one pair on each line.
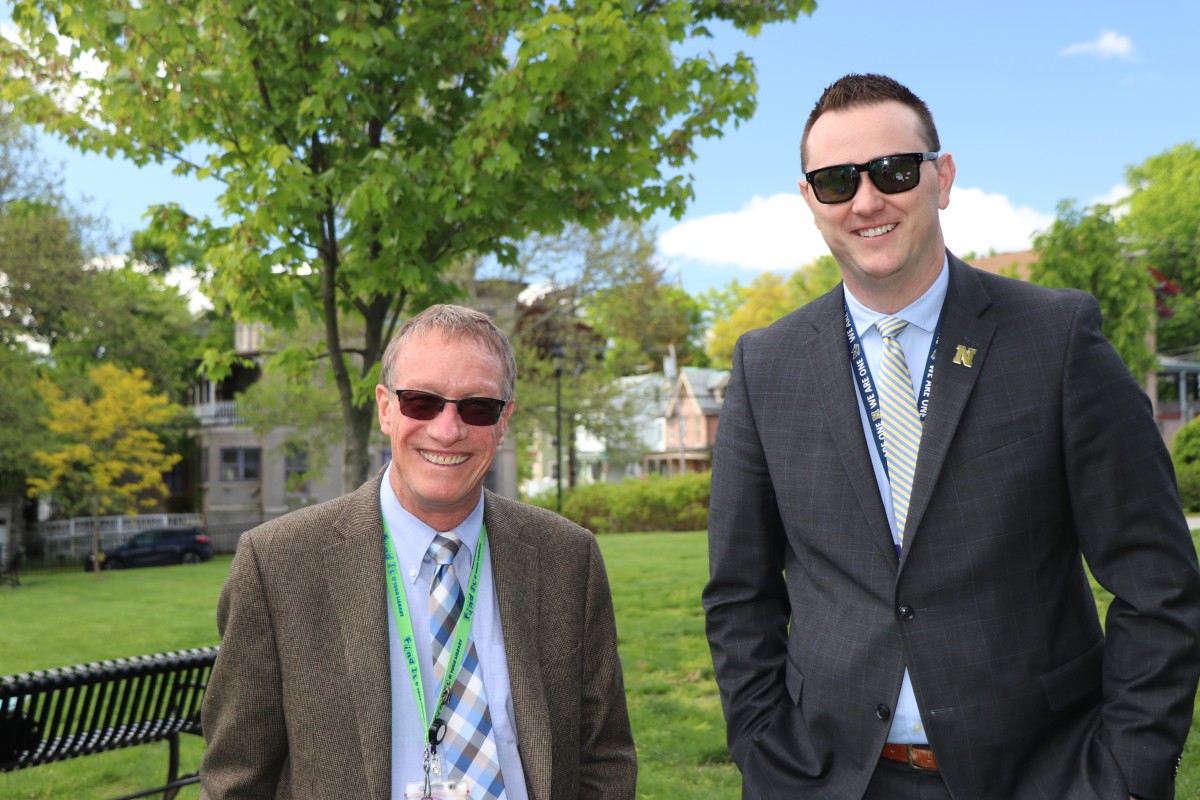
768,297
108,455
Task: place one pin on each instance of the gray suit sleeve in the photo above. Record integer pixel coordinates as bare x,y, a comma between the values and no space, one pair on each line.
745,601
1133,535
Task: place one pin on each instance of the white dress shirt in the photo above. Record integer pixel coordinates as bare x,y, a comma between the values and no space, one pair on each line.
412,538
922,316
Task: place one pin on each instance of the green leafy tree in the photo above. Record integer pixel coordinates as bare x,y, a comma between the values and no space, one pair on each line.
22,178
363,148
60,306
1185,452
82,310
600,297
737,309
107,455
1083,250
21,410
59,297
1163,224
296,399
23,174
44,243
42,254
624,296
134,319
579,384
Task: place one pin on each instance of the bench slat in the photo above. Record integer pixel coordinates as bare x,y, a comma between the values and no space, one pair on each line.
107,705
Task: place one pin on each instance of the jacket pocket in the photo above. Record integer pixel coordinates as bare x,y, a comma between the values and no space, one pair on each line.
986,436
1075,680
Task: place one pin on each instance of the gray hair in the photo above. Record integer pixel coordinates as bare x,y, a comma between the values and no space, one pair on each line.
455,322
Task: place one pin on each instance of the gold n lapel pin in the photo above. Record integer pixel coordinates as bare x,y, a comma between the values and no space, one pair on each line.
964,355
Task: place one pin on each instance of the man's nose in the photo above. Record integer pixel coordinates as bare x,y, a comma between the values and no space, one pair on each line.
867,200
448,425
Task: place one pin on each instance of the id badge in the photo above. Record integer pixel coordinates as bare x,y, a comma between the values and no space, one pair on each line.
438,790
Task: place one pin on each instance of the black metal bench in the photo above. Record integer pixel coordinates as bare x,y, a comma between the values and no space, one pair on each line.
57,714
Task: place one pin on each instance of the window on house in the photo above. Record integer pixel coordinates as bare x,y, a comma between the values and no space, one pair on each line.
241,463
295,472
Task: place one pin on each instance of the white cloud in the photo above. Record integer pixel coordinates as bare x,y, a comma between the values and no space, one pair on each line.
777,233
1109,44
189,286
981,222
1112,197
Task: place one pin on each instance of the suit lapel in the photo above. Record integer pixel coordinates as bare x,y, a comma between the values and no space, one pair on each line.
516,576
962,326
354,575
831,367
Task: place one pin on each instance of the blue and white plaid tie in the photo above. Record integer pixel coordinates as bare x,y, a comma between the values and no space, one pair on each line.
469,746
901,421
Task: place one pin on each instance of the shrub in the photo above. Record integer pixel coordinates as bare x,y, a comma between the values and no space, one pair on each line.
1185,452
650,504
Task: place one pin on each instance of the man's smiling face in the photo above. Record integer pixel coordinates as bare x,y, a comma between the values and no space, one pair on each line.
889,246
438,465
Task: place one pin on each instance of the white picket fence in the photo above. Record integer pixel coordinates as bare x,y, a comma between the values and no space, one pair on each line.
71,539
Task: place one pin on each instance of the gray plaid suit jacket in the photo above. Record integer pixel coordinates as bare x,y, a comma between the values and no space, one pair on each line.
1042,448
299,704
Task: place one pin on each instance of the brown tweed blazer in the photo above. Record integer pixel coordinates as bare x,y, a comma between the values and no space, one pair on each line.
299,704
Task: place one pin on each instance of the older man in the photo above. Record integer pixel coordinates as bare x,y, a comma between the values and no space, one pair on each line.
421,635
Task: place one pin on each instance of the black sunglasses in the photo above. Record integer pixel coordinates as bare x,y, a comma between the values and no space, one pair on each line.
478,411
890,174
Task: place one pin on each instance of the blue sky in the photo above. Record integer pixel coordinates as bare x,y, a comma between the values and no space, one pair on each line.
1038,101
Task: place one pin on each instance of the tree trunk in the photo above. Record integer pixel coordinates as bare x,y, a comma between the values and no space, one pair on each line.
356,466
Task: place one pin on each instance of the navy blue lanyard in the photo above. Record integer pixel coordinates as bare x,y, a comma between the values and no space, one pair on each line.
866,385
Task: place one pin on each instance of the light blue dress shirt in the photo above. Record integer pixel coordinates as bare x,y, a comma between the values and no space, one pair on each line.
922,316
412,538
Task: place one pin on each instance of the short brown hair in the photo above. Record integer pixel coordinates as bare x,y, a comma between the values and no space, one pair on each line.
455,322
855,91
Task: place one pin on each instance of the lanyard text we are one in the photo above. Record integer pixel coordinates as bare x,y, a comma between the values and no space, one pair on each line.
866,386
404,629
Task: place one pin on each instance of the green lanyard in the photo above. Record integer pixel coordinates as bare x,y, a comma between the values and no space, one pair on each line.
462,630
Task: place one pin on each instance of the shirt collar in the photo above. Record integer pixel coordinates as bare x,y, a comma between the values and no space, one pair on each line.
411,537
922,312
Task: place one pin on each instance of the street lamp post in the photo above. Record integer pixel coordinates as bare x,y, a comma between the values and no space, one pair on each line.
558,357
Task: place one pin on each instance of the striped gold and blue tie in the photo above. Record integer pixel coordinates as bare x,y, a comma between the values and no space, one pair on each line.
470,744
901,421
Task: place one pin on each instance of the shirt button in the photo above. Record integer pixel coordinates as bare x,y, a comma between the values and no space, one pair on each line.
412,573
882,711
906,612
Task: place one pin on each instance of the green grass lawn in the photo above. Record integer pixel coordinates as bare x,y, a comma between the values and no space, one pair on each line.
60,619
57,619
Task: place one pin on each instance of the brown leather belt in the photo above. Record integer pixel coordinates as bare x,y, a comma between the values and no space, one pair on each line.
917,756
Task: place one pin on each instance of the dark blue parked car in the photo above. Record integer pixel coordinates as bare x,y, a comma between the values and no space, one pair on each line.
156,546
